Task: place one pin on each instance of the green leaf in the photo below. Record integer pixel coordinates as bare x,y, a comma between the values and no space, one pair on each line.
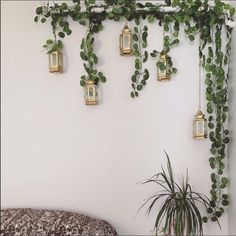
137,22
146,74
95,58
224,180
213,219
232,11
64,6
225,203
175,34
136,29
144,35
139,87
226,140
161,66
191,37
133,78
49,41
145,56
174,70
210,125
209,210
153,54
166,27
226,132
144,44
69,32
137,64
83,56
213,204
82,22
208,82
135,37
176,41
225,196
221,165
61,34
143,82
36,18
103,79
39,10
151,18
148,4
82,83
60,44
43,20
208,60
218,214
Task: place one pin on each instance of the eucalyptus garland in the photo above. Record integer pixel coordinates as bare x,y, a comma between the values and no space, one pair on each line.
199,19
87,54
140,75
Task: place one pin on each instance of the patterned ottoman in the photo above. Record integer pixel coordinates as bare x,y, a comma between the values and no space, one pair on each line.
32,222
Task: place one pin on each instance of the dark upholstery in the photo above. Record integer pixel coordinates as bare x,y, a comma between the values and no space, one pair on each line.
32,222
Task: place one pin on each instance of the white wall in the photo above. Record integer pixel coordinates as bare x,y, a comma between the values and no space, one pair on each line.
232,150
58,153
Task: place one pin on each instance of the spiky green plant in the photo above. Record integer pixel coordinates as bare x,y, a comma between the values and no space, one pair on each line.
179,213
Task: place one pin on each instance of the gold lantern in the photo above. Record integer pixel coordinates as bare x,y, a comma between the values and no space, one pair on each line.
199,126
126,42
199,122
55,62
90,92
163,73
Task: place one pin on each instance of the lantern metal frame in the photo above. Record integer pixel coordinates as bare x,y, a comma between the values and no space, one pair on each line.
126,38
90,92
199,120
56,61
163,75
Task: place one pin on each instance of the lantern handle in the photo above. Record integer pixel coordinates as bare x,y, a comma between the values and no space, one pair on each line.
126,21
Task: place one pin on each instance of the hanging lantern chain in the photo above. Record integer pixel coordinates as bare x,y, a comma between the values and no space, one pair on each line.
199,79
163,32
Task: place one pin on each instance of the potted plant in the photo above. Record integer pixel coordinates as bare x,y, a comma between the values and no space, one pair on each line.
179,213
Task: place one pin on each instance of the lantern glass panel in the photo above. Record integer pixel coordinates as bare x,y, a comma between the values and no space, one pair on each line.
90,93
127,42
54,59
60,59
200,127
163,74
55,62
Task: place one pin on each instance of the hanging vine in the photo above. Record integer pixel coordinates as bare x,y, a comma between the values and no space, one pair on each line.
140,75
169,41
198,18
87,49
